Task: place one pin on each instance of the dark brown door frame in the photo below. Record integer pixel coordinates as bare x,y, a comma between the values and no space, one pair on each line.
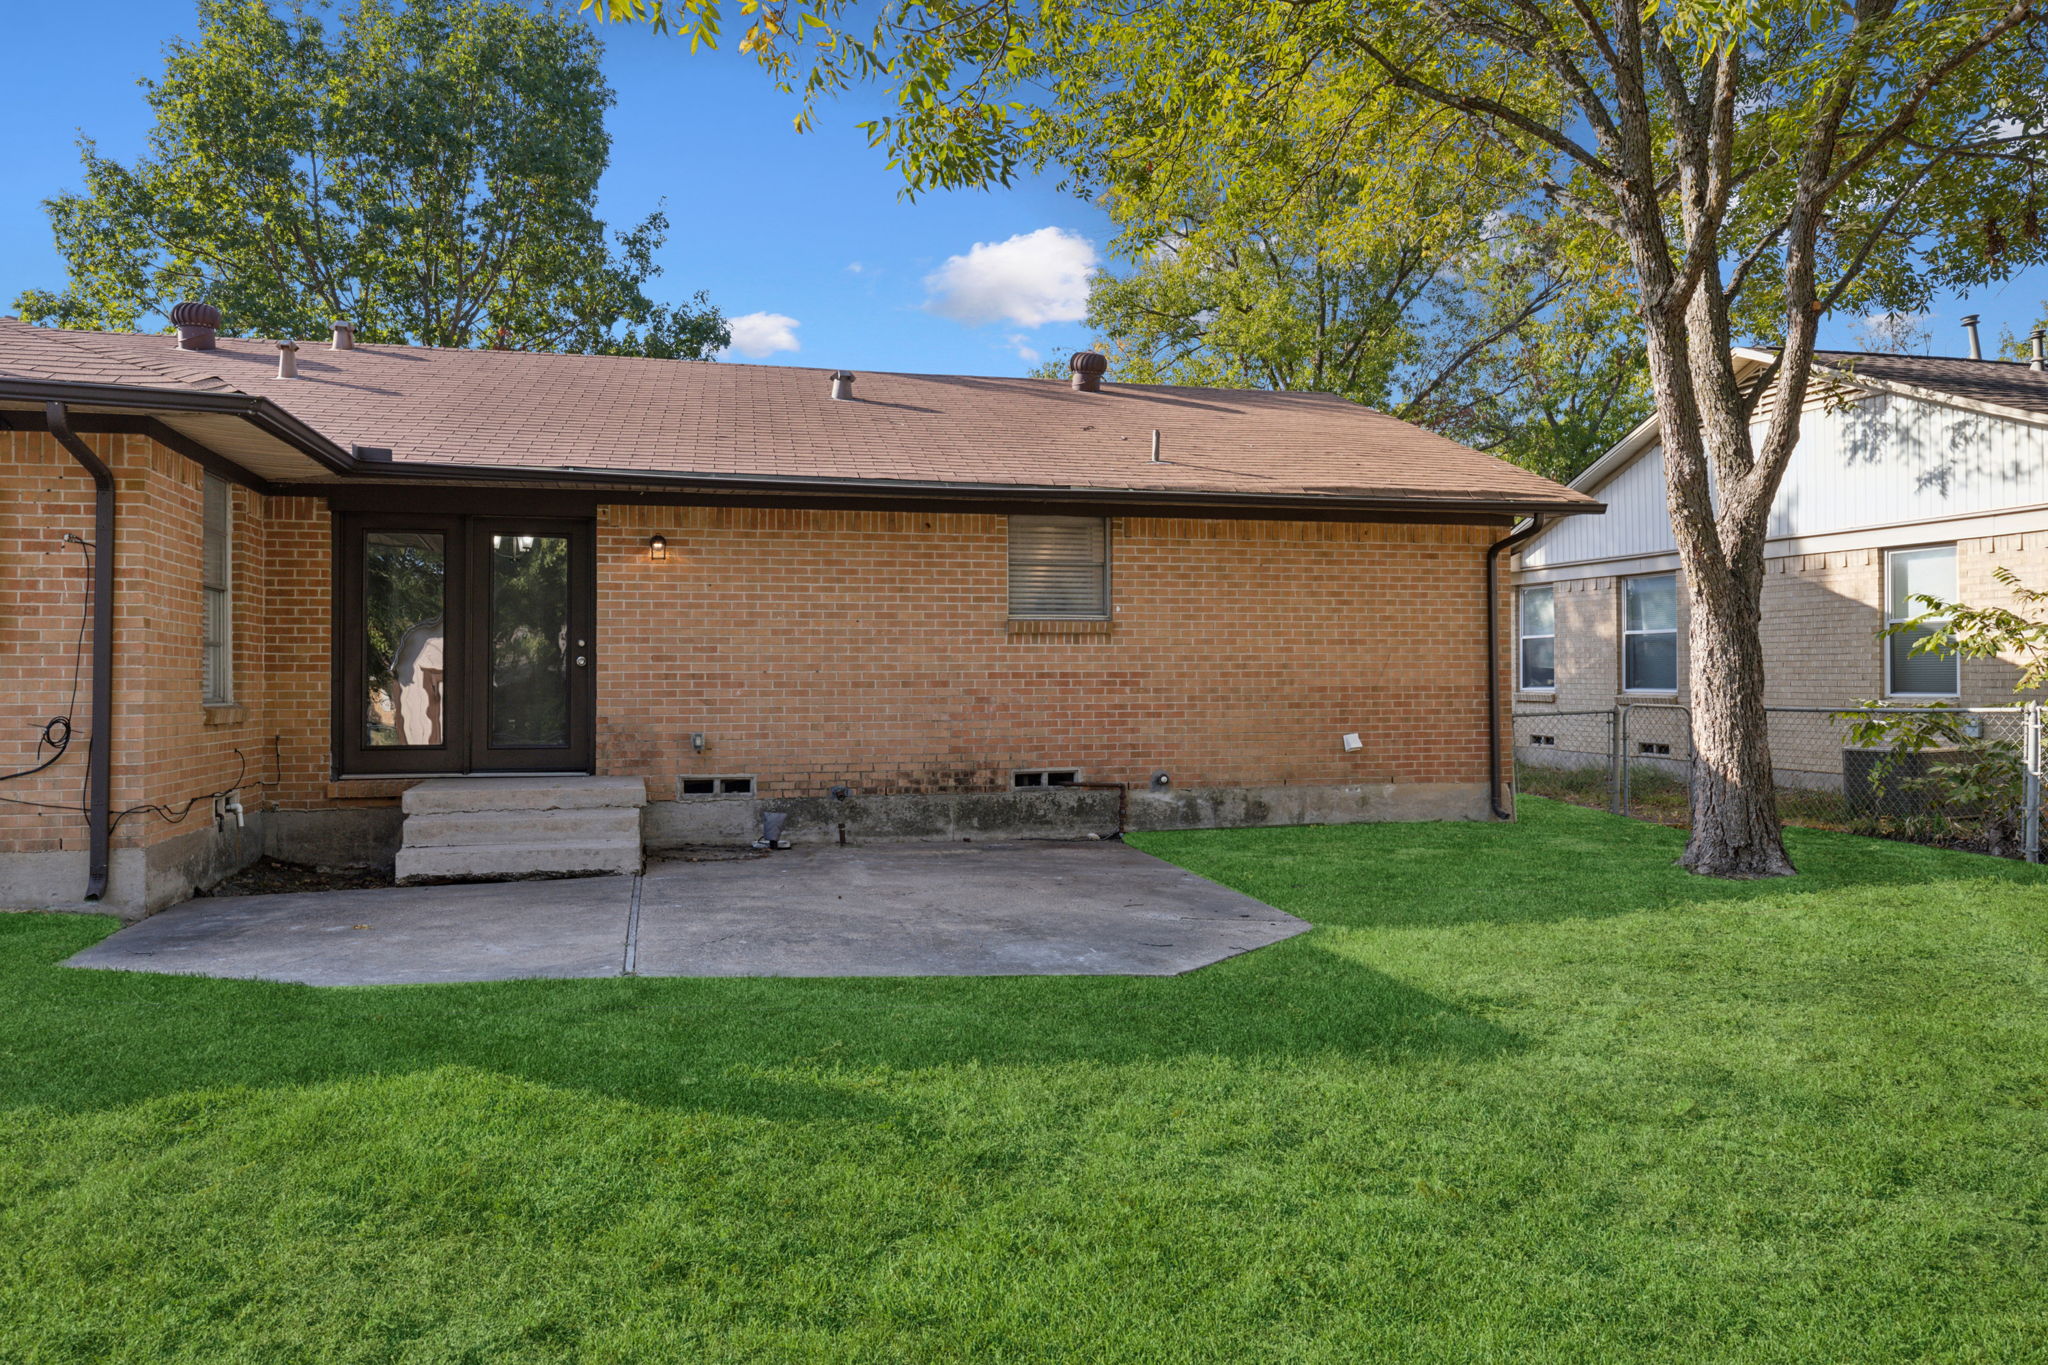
464,746
576,755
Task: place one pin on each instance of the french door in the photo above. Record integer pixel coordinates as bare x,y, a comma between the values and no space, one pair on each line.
465,644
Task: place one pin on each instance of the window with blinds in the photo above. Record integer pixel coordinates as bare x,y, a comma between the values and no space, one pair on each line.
214,583
1059,568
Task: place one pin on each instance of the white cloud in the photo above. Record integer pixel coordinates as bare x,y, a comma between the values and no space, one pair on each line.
1021,344
858,268
756,335
1031,279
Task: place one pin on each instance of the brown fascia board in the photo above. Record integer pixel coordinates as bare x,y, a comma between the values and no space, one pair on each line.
682,482
260,412
267,414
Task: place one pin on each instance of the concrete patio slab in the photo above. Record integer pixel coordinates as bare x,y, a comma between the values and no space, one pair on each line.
403,935
879,910
946,910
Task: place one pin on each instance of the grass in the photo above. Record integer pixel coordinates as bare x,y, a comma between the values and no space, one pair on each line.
1526,1093
1661,797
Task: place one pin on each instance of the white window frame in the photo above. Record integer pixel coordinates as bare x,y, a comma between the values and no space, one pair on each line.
1677,674
1523,637
1104,608
217,591
1955,661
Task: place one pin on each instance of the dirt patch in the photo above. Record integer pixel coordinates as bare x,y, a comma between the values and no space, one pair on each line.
706,853
269,877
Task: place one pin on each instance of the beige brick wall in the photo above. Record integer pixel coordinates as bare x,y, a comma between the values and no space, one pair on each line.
1821,615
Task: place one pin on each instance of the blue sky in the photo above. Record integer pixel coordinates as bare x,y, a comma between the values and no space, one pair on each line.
776,225
801,239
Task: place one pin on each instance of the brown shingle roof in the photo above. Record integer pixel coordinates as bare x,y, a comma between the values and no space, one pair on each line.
2008,383
624,414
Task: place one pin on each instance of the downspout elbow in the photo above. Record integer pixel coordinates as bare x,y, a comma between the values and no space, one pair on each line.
99,758
1501,811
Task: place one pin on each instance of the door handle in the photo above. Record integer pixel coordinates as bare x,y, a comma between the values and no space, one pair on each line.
580,662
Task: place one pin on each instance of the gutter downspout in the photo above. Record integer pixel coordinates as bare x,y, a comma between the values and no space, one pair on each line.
1493,554
99,755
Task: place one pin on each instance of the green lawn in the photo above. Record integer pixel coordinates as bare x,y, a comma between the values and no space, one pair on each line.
1526,1093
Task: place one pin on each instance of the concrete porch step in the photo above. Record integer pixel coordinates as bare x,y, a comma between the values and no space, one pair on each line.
524,828
488,861
480,828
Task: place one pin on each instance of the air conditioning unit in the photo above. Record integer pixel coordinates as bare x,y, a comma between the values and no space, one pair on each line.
1881,782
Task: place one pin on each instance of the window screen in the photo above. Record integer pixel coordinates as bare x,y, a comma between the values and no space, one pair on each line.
1649,633
215,579
1059,567
1539,639
1912,574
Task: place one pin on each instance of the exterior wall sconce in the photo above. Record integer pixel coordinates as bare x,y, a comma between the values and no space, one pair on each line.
657,547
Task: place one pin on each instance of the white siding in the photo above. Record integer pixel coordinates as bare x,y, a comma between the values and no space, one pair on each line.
1882,461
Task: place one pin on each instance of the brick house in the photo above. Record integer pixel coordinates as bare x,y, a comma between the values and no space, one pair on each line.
903,606
1913,474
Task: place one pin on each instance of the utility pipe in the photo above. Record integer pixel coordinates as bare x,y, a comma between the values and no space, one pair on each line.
99,751
1493,662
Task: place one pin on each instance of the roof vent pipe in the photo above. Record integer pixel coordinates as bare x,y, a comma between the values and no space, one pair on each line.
2040,340
344,337
1088,368
1155,447
842,384
196,323
287,360
1976,346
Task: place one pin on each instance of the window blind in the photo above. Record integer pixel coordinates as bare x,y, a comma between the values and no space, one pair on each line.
1059,567
214,582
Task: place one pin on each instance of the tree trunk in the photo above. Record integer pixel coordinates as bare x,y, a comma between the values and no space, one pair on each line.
1735,831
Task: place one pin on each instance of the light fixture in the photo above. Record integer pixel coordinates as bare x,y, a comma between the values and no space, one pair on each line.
657,546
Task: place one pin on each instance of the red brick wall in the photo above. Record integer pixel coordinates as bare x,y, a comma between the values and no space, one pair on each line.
811,647
168,745
874,649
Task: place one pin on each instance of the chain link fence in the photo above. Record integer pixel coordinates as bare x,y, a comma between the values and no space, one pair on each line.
1957,776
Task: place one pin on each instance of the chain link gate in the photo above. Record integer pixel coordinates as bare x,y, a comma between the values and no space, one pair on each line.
1968,777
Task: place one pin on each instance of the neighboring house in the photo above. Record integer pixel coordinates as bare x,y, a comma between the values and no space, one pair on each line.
1913,475
904,612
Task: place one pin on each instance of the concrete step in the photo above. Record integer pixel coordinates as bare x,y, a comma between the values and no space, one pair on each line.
446,795
485,862
521,828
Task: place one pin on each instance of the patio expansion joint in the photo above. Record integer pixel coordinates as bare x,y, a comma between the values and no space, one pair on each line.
631,965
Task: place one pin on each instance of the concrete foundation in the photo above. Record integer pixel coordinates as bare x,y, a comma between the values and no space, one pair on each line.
1049,813
140,881
344,837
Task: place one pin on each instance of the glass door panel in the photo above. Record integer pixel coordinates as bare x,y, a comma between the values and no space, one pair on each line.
405,646
529,679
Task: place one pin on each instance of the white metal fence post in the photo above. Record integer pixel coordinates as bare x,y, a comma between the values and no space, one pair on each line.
2030,817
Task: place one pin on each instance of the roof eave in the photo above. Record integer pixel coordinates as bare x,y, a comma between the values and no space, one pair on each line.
261,412
442,472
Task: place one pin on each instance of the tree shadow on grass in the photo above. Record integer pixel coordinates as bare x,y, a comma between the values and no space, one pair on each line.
1559,862
91,1040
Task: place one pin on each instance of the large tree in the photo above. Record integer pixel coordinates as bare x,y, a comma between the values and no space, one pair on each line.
426,171
1484,330
1745,168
